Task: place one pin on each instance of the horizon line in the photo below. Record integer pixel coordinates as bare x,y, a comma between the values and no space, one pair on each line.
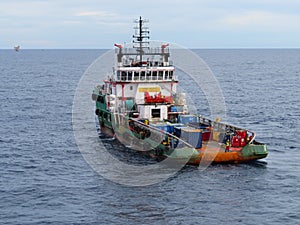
205,48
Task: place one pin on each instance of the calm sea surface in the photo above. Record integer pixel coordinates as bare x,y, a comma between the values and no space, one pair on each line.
44,178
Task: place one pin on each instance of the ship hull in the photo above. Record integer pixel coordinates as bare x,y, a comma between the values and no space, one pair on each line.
217,155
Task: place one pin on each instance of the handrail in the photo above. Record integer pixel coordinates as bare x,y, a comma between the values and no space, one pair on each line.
212,122
148,50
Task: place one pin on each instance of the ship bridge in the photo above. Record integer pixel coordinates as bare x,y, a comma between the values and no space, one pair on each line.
142,74
142,63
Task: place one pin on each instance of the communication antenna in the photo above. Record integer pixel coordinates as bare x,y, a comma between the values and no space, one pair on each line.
141,36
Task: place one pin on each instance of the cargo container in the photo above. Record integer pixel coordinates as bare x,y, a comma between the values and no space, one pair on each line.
160,126
192,136
186,119
171,127
176,108
206,135
177,130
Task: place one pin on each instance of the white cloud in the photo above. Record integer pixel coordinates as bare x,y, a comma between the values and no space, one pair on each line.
259,20
101,21
102,16
96,14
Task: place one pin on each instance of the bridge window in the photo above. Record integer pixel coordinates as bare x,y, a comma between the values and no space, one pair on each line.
143,75
136,75
148,75
166,74
160,75
124,75
130,75
154,75
171,74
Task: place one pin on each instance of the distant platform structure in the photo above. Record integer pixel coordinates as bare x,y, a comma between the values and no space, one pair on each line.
17,48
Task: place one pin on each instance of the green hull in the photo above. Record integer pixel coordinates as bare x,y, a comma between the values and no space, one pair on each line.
118,126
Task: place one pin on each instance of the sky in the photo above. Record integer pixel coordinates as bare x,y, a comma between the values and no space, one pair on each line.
95,24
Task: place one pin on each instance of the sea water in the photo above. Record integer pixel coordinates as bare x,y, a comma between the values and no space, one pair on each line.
44,178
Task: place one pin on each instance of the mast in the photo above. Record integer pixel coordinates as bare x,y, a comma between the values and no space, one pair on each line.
133,56
141,33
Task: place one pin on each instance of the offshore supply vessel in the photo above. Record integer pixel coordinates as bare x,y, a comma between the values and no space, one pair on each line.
140,105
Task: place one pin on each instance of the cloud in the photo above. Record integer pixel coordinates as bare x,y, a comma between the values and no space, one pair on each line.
102,18
259,20
96,14
100,21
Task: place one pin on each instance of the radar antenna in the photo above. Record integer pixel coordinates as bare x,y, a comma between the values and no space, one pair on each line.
141,33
